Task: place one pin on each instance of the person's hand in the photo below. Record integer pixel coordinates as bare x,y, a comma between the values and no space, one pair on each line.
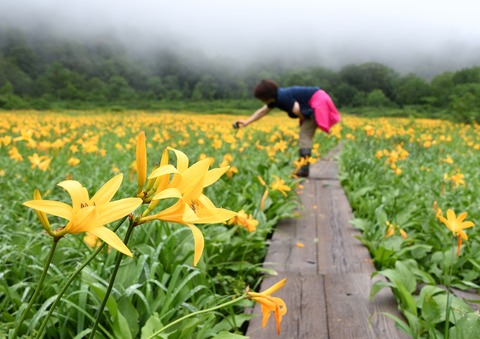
239,123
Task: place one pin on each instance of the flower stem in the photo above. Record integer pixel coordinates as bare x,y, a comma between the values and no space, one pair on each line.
228,303
39,287
71,278
118,260
447,284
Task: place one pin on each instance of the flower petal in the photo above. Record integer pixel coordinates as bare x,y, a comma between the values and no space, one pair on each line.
275,287
214,216
55,208
83,220
461,217
213,175
182,159
167,193
41,215
107,191
467,224
77,192
117,209
112,239
199,243
163,170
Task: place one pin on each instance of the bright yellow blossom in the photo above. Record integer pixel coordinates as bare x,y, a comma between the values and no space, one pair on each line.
73,161
42,162
271,304
457,225
279,185
245,220
90,214
187,185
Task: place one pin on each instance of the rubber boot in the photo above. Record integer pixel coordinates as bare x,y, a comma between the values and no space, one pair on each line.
304,170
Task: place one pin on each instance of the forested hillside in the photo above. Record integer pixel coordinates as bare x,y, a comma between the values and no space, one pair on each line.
43,72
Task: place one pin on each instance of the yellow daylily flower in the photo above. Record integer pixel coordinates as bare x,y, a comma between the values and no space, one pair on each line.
279,185
457,225
90,214
392,229
245,220
190,182
187,185
180,213
270,304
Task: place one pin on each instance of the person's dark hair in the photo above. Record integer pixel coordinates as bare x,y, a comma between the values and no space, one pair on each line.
266,90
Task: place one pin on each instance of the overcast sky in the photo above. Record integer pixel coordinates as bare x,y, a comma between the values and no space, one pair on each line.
325,32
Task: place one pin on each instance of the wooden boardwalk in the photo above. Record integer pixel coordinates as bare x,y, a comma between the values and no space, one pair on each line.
328,286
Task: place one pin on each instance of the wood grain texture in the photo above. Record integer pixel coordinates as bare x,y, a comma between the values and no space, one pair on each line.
328,279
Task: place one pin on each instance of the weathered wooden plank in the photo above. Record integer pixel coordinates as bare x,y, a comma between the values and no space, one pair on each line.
326,168
340,251
306,316
328,287
285,256
350,312
285,253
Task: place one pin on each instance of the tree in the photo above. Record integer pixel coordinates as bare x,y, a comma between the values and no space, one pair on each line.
369,76
206,88
119,89
345,94
97,90
377,98
467,76
441,87
411,90
465,102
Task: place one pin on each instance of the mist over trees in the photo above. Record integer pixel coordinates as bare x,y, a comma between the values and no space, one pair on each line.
37,71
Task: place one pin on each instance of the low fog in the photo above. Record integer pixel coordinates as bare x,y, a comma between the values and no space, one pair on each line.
422,37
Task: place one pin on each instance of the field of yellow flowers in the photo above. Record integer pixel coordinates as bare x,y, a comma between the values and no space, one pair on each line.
134,223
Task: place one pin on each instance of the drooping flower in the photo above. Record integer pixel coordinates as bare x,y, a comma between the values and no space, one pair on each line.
279,185
392,229
456,225
245,220
271,304
90,214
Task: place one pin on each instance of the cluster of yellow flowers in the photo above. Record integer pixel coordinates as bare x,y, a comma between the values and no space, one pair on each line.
182,183
392,229
456,179
392,157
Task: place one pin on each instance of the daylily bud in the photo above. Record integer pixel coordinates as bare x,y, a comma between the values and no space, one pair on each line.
42,215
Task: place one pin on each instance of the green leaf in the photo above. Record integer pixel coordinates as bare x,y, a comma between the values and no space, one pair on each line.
406,276
152,325
228,335
431,310
467,327
121,329
232,322
378,286
400,324
100,292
